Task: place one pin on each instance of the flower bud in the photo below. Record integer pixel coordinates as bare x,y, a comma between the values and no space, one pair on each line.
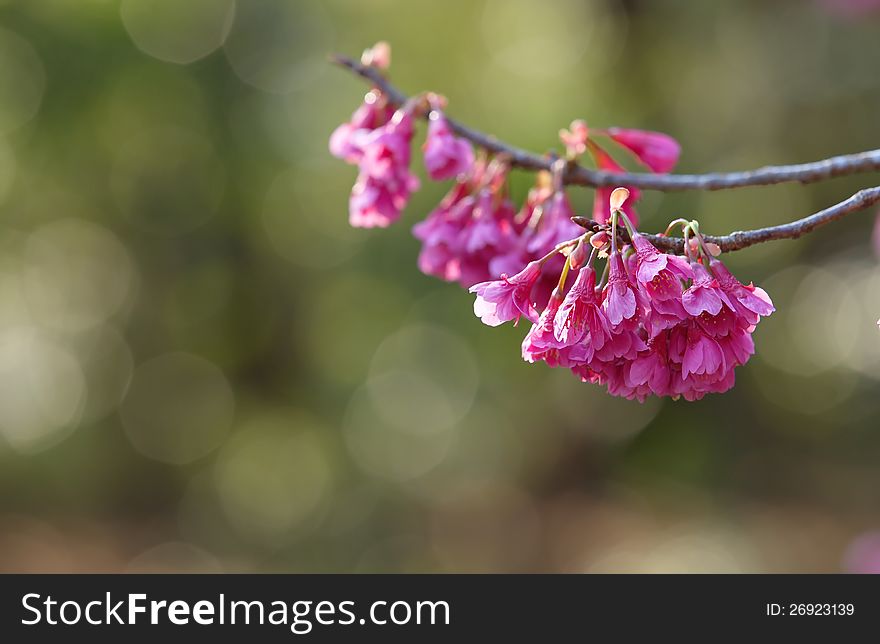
379,55
578,256
618,198
599,240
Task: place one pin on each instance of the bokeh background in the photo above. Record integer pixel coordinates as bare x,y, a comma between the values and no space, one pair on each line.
202,367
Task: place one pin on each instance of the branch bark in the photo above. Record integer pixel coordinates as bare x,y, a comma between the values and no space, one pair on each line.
745,238
578,175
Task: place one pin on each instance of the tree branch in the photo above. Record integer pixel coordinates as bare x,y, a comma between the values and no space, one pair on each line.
743,239
575,174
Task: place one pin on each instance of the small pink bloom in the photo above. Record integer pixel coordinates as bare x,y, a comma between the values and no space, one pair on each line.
386,150
377,204
348,139
658,151
704,295
651,368
703,355
540,343
506,299
658,273
446,155
384,183
580,317
749,301
555,225
619,301
575,138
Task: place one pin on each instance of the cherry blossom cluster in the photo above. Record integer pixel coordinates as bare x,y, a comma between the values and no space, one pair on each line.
653,323
656,324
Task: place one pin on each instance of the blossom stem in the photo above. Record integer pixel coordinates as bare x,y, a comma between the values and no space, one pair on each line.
672,224
613,225
626,222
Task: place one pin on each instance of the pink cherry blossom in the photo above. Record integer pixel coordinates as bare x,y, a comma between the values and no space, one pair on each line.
580,317
749,301
704,295
619,298
657,151
384,183
377,204
348,139
506,299
540,343
555,225
658,273
446,155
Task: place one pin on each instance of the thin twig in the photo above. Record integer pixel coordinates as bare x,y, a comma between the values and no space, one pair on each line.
743,239
575,174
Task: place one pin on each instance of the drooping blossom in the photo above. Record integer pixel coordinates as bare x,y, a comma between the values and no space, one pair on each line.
658,273
446,155
542,345
384,183
705,294
580,317
348,139
749,300
657,151
508,298
471,228
619,299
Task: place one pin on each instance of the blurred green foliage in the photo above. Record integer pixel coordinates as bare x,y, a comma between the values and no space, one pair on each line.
202,367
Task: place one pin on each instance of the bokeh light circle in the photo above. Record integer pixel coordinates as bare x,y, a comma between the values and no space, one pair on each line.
401,423
76,274
273,478
278,47
42,389
177,31
179,407
22,81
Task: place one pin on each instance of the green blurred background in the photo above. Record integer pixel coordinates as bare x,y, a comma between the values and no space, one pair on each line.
202,367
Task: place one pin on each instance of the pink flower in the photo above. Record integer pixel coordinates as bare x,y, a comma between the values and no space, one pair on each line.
506,299
704,295
575,138
540,343
446,156
376,204
748,301
657,151
386,150
603,195
703,355
348,139
384,184
555,225
619,298
580,318
658,273
651,368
